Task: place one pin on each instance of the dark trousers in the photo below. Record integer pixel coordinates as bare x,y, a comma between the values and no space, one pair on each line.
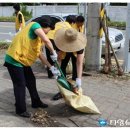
64,64
23,77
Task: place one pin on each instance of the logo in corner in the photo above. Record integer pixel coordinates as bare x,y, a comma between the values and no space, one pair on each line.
102,122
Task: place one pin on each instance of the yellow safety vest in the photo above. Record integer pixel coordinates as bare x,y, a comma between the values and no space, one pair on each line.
23,49
58,26
17,24
81,29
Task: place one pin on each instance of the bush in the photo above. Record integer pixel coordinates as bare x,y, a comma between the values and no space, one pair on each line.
7,19
117,24
25,12
12,19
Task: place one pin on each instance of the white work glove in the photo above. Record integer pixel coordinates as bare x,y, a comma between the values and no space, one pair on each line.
77,86
55,71
78,82
54,56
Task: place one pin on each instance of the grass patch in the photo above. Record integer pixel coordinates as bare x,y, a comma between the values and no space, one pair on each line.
12,19
120,25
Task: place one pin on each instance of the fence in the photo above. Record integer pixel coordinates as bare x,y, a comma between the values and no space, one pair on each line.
115,13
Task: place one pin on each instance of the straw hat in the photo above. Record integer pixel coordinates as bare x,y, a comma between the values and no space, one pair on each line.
69,40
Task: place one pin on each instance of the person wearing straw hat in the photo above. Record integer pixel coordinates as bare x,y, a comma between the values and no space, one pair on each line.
70,20
72,44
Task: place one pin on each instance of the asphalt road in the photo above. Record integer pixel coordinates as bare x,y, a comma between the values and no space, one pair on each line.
7,29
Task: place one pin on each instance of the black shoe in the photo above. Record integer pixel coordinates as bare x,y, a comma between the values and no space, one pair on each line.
24,114
39,105
57,96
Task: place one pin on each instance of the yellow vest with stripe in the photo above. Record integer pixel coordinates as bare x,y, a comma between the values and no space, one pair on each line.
58,26
17,24
23,49
81,29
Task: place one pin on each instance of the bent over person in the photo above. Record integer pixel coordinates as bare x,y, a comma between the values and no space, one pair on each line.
21,54
71,44
19,20
70,20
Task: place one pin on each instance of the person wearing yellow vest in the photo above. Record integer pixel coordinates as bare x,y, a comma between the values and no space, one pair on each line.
70,41
79,24
19,20
21,54
63,24
75,56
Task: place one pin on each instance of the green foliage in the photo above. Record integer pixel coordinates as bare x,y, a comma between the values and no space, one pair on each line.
7,19
12,19
117,24
25,12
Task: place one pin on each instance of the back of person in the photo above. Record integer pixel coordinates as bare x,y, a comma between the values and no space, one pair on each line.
30,46
19,20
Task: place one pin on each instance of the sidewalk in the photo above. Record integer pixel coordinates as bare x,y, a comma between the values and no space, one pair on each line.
111,96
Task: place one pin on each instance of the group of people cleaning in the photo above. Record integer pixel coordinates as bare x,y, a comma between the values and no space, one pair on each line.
63,41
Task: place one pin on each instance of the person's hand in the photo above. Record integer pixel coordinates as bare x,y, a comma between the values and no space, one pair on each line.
78,82
54,56
77,86
55,71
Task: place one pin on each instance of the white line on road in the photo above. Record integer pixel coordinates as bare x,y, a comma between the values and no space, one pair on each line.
4,33
7,26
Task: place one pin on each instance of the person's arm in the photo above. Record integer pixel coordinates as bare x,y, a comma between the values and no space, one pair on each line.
44,60
79,64
39,32
53,69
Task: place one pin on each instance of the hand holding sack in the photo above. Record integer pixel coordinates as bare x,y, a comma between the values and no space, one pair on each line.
77,86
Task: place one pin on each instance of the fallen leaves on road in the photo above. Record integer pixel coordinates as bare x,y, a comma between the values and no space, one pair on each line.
41,118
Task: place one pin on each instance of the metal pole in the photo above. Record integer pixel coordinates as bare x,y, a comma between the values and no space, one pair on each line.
126,65
93,49
85,17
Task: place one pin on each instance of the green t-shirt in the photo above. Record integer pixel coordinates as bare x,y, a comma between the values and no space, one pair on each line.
32,35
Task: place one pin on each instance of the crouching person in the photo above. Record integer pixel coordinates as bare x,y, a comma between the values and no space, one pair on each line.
21,54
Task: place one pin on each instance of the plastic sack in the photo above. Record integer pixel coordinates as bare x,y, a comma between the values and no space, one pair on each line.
69,67
79,102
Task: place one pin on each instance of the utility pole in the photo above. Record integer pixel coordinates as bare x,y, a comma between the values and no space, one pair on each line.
93,49
85,17
126,65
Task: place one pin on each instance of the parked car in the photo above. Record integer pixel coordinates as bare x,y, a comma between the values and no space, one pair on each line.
55,18
115,35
